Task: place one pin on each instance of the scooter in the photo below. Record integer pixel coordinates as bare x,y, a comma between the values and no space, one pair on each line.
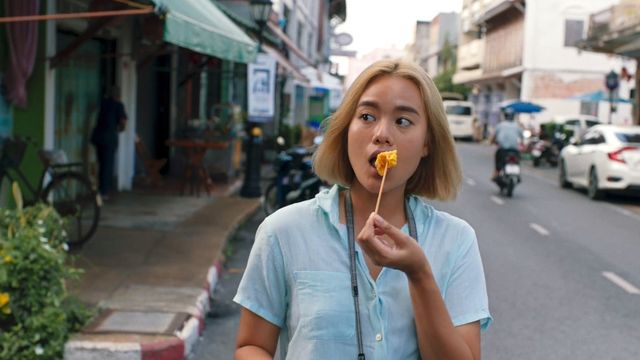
509,174
547,150
295,180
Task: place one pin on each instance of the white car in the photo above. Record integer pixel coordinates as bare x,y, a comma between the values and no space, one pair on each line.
578,124
461,117
605,159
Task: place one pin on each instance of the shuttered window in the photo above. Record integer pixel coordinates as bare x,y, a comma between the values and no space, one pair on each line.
573,30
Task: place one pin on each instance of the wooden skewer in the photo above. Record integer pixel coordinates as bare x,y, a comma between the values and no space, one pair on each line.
384,175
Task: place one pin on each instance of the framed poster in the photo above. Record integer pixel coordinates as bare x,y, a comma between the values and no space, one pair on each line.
261,82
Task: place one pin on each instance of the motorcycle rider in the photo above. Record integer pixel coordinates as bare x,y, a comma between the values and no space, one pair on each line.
507,136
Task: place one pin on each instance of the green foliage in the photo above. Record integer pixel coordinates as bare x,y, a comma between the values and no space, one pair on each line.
36,314
444,83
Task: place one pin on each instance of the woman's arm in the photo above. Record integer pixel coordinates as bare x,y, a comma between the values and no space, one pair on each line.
436,335
257,338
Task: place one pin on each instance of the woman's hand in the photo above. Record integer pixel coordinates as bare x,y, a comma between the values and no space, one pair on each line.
386,245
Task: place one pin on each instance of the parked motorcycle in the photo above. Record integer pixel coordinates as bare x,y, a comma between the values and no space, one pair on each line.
509,174
547,150
295,180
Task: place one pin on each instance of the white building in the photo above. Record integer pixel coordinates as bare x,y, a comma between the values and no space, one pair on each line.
431,38
526,50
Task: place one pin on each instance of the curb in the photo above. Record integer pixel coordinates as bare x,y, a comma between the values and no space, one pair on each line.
173,348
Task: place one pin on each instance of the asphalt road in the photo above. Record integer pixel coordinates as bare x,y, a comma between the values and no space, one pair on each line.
562,271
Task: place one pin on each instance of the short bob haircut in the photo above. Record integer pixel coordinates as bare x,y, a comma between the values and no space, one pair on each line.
438,175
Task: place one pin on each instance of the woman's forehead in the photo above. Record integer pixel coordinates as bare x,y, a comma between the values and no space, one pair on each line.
392,90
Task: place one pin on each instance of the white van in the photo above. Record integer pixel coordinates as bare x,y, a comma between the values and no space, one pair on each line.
461,116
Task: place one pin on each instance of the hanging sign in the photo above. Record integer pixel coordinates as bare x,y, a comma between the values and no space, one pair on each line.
261,82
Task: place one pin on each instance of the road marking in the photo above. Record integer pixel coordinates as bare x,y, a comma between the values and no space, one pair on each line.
625,212
497,200
471,182
542,231
624,284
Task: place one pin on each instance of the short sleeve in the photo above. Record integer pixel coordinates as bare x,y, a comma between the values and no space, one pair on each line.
262,289
466,292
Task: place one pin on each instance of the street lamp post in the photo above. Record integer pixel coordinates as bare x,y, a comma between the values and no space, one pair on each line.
260,11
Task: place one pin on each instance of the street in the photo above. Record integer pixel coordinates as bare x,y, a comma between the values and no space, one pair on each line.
562,270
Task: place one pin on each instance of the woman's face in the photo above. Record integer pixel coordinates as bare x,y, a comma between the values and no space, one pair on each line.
390,115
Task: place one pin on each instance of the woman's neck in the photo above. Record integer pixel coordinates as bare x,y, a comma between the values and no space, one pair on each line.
391,204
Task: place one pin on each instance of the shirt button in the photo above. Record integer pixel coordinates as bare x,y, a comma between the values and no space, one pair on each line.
378,337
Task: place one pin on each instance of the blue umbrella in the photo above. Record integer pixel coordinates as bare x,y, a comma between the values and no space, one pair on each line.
597,96
517,106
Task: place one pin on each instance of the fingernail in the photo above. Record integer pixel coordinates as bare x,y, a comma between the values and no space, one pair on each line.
378,220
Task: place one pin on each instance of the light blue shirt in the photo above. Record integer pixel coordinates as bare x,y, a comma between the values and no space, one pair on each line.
298,279
508,135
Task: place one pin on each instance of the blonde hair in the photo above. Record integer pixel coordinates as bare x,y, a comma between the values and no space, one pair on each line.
438,175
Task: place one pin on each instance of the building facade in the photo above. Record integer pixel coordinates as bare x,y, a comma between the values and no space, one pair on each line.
433,39
527,50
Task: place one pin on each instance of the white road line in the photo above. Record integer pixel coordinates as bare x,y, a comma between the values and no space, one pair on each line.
471,182
624,284
497,200
625,212
542,231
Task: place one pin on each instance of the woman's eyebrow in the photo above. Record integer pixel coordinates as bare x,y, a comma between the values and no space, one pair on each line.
368,103
407,108
373,104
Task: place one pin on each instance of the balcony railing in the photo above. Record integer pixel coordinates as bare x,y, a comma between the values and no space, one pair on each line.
470,55
615,18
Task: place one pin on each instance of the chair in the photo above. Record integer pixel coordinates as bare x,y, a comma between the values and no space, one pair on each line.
151,166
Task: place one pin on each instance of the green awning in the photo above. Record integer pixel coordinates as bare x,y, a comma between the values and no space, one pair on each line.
200,26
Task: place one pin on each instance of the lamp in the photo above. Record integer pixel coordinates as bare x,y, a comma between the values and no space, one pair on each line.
260,12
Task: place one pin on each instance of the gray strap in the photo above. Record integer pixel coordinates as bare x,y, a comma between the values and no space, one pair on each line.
352,260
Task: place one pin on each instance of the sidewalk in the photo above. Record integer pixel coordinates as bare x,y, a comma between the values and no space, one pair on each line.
151,269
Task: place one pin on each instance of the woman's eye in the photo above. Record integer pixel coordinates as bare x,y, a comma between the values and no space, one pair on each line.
404,122
367,117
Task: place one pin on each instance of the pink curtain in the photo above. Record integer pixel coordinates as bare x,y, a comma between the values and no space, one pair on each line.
23,46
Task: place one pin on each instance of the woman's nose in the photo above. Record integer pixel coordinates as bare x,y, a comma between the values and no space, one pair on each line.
381,135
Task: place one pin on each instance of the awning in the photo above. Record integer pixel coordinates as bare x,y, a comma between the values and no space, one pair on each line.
200,26
285,63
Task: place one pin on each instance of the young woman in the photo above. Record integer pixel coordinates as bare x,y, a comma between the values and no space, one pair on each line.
328,279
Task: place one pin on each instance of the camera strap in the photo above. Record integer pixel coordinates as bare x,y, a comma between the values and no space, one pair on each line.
352,260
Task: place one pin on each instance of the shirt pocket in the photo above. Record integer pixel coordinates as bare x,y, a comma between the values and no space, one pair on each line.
325,305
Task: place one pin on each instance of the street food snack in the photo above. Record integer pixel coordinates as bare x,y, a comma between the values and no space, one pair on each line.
384,161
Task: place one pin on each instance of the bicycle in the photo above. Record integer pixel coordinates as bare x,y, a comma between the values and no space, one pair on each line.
62,185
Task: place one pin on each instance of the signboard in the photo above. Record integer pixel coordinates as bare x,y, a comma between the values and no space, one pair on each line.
261,82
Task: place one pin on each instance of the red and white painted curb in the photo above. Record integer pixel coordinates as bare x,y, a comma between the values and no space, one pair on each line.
176,348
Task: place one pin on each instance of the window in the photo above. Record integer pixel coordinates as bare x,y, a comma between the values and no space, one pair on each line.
592,138
300,38
573,32
591,123
628,137
458,110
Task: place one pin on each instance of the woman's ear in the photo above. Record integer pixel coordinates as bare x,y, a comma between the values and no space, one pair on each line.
425,150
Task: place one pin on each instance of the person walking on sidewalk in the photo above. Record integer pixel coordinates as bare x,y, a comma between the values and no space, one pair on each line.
329,279
112,119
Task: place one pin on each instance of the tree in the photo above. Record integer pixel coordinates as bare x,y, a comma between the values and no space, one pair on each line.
444,80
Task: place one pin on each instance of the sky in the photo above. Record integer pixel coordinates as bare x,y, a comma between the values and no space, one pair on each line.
385,23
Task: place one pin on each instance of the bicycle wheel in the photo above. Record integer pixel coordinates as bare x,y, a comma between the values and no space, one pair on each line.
73,197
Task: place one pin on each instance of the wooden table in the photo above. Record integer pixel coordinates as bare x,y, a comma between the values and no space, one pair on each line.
195,173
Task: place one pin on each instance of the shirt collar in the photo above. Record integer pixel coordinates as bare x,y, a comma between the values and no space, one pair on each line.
329,202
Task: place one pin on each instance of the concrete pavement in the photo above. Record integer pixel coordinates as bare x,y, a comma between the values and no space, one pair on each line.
150,270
